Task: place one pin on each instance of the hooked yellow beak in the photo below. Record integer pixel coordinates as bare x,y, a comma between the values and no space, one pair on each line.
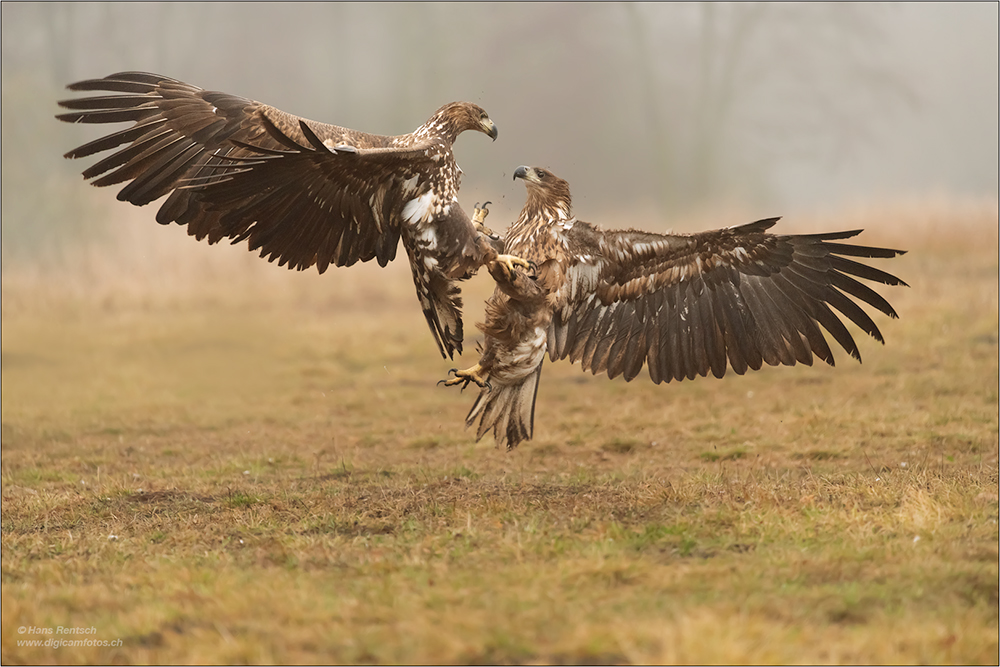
490,128
527,173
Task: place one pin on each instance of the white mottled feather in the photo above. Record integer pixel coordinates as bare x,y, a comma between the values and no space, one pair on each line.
419,209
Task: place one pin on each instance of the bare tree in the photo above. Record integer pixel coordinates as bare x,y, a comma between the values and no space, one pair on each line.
821,61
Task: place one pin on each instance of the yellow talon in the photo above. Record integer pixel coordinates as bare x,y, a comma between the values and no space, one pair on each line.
510,261
479,214
465,377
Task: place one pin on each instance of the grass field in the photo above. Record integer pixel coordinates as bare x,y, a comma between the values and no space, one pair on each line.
210,459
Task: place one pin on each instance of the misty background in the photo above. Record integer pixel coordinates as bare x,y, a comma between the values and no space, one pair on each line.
652,112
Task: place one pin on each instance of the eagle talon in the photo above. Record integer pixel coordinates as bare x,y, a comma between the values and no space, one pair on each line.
508,262
479,214
448,383
467,376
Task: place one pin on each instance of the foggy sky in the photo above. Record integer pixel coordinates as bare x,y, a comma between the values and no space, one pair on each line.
656,107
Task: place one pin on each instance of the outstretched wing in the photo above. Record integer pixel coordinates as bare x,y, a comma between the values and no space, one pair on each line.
685,305
302,192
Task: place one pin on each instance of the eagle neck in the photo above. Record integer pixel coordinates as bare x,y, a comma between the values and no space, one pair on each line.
546,208
540,215
438,128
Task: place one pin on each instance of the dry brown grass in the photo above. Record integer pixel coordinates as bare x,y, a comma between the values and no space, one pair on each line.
284,482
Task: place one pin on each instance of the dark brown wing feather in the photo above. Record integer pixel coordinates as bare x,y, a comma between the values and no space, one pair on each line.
242,170
303,193
689,305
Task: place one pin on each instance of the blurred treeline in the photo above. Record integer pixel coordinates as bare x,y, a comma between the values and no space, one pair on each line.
659,109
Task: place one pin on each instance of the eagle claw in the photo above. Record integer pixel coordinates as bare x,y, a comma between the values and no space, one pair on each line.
479,214
467,376
508,262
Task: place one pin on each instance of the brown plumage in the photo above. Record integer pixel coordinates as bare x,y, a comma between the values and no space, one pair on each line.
303,193
682,305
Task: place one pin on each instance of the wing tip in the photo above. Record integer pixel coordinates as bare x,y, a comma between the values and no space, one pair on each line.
761,225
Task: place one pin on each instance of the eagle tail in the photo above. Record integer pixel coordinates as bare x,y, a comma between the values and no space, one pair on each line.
509,409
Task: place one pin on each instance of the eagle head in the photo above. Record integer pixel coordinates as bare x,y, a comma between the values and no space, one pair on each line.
548,195
457,117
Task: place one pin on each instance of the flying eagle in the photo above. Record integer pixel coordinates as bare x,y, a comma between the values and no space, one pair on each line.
680,304
304,193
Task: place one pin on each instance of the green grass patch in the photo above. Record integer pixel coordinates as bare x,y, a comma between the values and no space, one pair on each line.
732,454
621,445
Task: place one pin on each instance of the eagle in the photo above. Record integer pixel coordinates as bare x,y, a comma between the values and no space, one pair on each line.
304,193
682,305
